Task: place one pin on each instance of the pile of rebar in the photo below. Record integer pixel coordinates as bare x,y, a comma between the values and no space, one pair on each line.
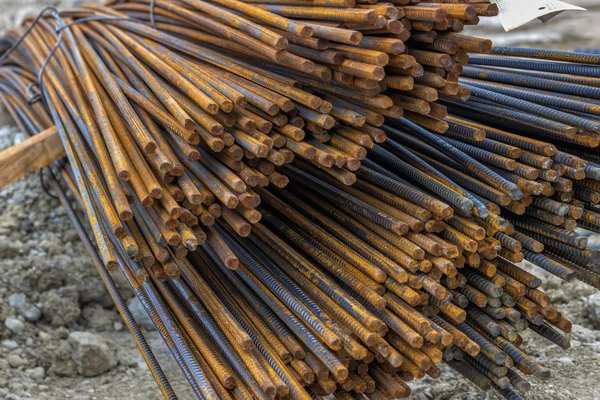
283,188
549,100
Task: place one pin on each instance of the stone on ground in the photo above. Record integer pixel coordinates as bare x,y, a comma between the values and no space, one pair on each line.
93,355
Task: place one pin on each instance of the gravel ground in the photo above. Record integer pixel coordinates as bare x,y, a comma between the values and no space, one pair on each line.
60,337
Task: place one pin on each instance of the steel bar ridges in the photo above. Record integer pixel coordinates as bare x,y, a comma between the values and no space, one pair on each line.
129,64
351,291
385,343
560,185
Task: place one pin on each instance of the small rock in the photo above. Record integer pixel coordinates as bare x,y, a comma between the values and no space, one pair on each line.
15,361
10,344
62,363
44,336
37,374
140,315
118,326
19,302
93,355
592,309
565,360
61,333
98,318
11,396
16,386
93,291
32,314
61,307
8,250
14,325
583,334
130,358
53,278
63,368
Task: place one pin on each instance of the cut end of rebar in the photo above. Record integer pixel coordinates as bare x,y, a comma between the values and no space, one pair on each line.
581,242
156,193
125,215
112,265
522,386
216,146
232,202
176,212
307,66
472,349
173,239
212,108
232,263
535,283
193,138
304,31
166,166
216,129
500,358
244,230
124,175
570,276
132,250
355,37
147,201
226,105
149,147
281,43
515,193
189,124
542,374
141,276
340,373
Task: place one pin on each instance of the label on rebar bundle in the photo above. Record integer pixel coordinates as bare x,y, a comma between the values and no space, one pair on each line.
515,13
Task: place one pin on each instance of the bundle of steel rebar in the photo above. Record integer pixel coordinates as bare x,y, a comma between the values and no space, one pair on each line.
381,258
548,103
155,96
461,256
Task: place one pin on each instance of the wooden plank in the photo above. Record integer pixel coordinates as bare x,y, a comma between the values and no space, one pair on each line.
30,155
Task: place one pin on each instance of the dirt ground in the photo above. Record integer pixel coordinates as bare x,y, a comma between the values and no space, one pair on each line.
48,285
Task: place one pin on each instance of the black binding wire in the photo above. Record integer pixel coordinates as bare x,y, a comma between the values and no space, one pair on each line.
152,6
55,14
96,18
61,26
45,186
36,91
34,97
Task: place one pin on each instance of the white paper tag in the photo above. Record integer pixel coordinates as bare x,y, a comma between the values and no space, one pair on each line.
515,13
